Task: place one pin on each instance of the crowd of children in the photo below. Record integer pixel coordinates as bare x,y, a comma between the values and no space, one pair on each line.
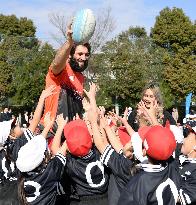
97,162
76,154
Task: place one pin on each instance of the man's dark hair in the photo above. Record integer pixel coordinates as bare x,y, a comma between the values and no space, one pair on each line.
87,45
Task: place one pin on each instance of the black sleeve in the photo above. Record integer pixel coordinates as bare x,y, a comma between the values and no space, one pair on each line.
132,120
119,164
56,166
168,117
188,189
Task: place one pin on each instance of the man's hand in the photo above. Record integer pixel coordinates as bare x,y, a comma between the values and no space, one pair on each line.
69,33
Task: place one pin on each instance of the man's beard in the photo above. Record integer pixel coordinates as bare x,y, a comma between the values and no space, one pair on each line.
75,65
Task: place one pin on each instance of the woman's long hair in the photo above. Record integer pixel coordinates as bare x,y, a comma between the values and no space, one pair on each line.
159,112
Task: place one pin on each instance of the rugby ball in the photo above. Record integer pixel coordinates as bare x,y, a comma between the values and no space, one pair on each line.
83,26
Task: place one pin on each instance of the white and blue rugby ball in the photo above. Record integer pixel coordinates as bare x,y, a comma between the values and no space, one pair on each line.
83,26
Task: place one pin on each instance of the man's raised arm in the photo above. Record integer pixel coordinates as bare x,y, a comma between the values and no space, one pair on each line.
59,62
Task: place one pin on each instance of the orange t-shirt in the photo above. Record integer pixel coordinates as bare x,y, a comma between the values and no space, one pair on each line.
68,78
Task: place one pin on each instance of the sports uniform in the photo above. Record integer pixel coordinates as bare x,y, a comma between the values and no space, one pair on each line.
69,88
159,180
8,180
120,176
188,184
89,178
40,185
156,184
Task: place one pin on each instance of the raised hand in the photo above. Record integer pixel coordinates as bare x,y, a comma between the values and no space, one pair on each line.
150,112
103,120
92,91
61,122
48,91
124,118
86,104
102,110
128,150
48,122
92,115
69,32
76,117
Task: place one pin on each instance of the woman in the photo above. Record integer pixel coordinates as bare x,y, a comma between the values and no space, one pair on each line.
150,110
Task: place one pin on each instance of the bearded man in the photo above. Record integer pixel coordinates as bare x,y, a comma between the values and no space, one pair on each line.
65,72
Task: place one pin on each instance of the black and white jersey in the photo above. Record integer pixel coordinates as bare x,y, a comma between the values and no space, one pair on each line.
120,167
19,142
88,175
8,180
188,184
155,184
7,168
40,186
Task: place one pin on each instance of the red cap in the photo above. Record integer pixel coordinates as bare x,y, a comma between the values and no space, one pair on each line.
142,131
78,138
158,141
123,135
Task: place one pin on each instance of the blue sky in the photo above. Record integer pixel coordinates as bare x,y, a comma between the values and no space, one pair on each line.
125,12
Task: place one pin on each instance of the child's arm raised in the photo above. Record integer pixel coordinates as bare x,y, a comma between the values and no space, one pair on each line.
56,143
38,111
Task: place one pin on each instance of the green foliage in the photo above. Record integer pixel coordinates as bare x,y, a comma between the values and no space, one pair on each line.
173,30
180,73
177,34
5,79
23,62
13,55
29,79
12,26
126,64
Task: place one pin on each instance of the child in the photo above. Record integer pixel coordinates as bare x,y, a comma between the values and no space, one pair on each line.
89,178
111,155
9,153
158,182
39,177
8,179
119,165
188,165
22,137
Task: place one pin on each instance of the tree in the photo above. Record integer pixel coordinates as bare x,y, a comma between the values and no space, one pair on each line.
126,64
174,32
24,62
29,78
12,26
